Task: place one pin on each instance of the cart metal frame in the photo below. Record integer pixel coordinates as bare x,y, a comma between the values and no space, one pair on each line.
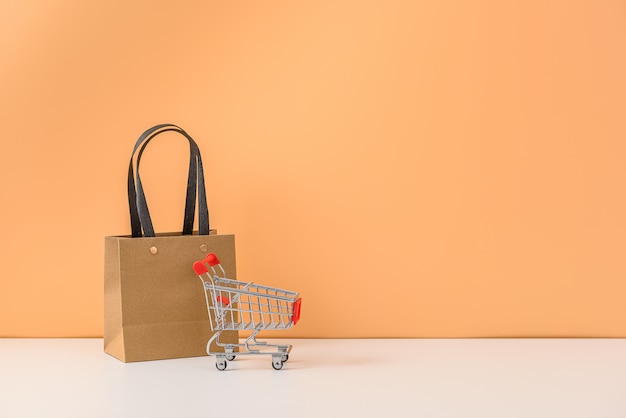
235,305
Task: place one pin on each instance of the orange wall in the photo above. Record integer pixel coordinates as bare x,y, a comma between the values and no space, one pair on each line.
412,168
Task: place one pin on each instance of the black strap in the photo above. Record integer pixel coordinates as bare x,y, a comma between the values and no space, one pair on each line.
139,213
190,201
196,171
132,195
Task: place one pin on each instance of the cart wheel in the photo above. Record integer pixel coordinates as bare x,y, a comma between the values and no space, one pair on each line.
230,357
285,358
221,365
277,364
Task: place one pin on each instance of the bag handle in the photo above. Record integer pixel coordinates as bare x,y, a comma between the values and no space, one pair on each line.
140,215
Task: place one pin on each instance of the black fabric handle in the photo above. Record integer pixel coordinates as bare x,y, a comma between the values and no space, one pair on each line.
140,215
190,201
147,136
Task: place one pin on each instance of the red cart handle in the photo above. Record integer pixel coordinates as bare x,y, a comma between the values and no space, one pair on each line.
212,260
199,266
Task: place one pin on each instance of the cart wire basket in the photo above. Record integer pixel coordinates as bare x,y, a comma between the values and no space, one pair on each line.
235,305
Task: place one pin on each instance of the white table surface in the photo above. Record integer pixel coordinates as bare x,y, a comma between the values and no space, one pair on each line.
323,378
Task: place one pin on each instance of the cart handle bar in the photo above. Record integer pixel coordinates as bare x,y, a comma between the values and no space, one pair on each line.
200,268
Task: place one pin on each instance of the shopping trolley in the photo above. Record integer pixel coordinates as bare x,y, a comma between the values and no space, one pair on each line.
234,305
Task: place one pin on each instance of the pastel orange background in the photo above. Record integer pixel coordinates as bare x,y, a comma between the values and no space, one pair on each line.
413,169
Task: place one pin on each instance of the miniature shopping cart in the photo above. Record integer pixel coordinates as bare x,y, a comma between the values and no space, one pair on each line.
234,305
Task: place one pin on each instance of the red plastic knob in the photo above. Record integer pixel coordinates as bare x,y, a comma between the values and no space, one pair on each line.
199,267
212,260
224,300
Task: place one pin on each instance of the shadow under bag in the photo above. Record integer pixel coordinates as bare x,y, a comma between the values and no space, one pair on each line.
152,307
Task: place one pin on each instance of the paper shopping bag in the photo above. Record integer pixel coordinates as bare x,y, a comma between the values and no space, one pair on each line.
154,305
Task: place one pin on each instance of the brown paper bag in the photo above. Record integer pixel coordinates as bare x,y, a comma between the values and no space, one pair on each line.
154,305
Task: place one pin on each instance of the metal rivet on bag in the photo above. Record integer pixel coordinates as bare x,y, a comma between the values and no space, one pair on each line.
154,250
204,248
